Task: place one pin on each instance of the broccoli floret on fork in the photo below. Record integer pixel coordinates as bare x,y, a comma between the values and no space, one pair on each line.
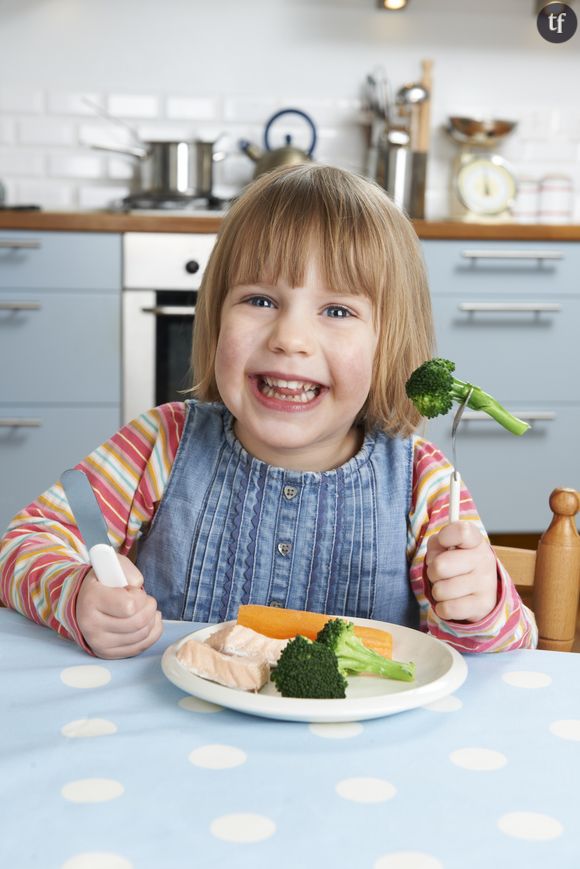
433,388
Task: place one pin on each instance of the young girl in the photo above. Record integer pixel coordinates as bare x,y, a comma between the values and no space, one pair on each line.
293,478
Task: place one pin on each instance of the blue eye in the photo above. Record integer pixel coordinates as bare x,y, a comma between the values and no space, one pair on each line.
260,301
337,312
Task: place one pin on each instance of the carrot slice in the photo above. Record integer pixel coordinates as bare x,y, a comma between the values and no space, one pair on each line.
282,624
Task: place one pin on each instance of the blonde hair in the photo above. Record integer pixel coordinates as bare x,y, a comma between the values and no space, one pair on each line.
363,243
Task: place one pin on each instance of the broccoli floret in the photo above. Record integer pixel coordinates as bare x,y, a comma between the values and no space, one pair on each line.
354,657
433,388
307,669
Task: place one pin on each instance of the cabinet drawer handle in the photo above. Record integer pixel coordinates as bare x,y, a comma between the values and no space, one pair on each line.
19,422
526,415
170,311
20,306
513,254
20,243
510,307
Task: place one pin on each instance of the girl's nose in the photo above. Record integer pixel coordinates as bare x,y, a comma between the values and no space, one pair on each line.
291,333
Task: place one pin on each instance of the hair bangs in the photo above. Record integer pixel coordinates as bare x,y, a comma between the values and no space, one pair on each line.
284,230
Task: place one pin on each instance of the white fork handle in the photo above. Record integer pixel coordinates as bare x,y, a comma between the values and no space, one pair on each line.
107,566
454,492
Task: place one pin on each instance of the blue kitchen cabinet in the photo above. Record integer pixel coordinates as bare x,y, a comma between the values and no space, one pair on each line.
60,355
41,442
507,314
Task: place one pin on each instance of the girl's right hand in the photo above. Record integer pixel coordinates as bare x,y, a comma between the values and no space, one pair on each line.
118,622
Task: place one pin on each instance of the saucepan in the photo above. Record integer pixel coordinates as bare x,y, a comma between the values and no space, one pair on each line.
183,167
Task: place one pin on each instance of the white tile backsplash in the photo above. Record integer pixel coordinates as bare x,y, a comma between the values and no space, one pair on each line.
46,136
104,133
133,106
554,152
46,131
120,168
193,109
71,165
247,110
7,131
21,100
21,161
63,103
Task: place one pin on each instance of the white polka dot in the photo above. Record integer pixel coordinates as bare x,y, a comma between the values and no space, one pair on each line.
97,860
479,759
92,790
408,860
194,704
445,704
530,825
217,756
88,727
566,729
86,676
339,730
242,828
366,790
526,679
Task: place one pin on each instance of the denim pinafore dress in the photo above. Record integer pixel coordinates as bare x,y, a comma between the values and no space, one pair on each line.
231,529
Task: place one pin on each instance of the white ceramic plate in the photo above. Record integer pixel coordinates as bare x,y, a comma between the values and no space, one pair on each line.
440,670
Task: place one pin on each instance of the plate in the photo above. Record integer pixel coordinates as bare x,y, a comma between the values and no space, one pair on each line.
440,670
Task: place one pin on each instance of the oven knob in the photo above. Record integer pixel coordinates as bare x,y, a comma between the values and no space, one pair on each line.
192,266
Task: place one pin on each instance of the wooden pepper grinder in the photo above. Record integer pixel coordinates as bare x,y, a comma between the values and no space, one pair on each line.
558,555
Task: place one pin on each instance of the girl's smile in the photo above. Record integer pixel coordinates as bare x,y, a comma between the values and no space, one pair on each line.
286,393
294,365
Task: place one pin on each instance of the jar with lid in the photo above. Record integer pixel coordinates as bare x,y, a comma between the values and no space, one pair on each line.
556,199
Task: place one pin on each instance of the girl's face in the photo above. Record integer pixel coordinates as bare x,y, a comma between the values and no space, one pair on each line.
293,365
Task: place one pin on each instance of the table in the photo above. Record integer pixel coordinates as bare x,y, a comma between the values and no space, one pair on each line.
107,765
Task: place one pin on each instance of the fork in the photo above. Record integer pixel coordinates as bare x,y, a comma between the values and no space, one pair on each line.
455,478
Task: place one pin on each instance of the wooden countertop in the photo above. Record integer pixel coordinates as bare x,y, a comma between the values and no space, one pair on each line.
106,221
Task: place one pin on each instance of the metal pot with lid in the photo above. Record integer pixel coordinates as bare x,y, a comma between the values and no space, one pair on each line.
288,154
182,167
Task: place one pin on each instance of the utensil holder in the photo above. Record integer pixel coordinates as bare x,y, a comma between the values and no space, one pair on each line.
393,167
403,174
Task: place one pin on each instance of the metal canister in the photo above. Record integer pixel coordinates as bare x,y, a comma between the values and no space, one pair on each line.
394,165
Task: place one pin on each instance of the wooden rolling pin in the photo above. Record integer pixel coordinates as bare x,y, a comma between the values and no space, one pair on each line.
425,108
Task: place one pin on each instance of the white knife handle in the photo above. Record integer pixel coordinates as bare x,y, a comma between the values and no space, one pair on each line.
107,566
454,493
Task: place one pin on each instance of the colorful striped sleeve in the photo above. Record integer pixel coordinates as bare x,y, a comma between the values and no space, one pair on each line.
510,625
43,559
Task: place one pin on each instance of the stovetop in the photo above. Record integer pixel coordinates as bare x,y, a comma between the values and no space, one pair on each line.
142,203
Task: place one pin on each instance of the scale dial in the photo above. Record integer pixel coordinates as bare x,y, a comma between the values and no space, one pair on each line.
485,185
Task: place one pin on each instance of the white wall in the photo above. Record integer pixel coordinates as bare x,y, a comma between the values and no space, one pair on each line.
237,61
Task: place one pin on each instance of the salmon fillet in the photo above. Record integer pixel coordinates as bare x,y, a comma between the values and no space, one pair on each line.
246,674
238,640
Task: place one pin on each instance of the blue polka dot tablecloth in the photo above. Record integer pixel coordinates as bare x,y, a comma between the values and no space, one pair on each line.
107,765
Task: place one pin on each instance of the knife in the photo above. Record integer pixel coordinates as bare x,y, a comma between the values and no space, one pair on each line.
91,523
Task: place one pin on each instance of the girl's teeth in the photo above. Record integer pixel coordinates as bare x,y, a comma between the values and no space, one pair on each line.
301,397
289,384
307,393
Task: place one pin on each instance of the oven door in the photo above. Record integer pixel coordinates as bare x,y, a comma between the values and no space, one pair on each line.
157,336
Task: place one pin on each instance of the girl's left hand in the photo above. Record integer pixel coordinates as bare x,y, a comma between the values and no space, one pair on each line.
462,569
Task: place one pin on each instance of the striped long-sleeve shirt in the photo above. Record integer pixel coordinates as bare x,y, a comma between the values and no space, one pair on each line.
43,559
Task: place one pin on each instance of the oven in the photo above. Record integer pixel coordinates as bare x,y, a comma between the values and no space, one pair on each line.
161,275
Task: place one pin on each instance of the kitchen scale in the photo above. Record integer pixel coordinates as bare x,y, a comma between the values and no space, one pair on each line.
483,186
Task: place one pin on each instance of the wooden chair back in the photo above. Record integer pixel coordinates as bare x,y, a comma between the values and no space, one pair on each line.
552,572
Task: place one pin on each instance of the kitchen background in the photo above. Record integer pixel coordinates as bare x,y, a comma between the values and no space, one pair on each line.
506,298
187,68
